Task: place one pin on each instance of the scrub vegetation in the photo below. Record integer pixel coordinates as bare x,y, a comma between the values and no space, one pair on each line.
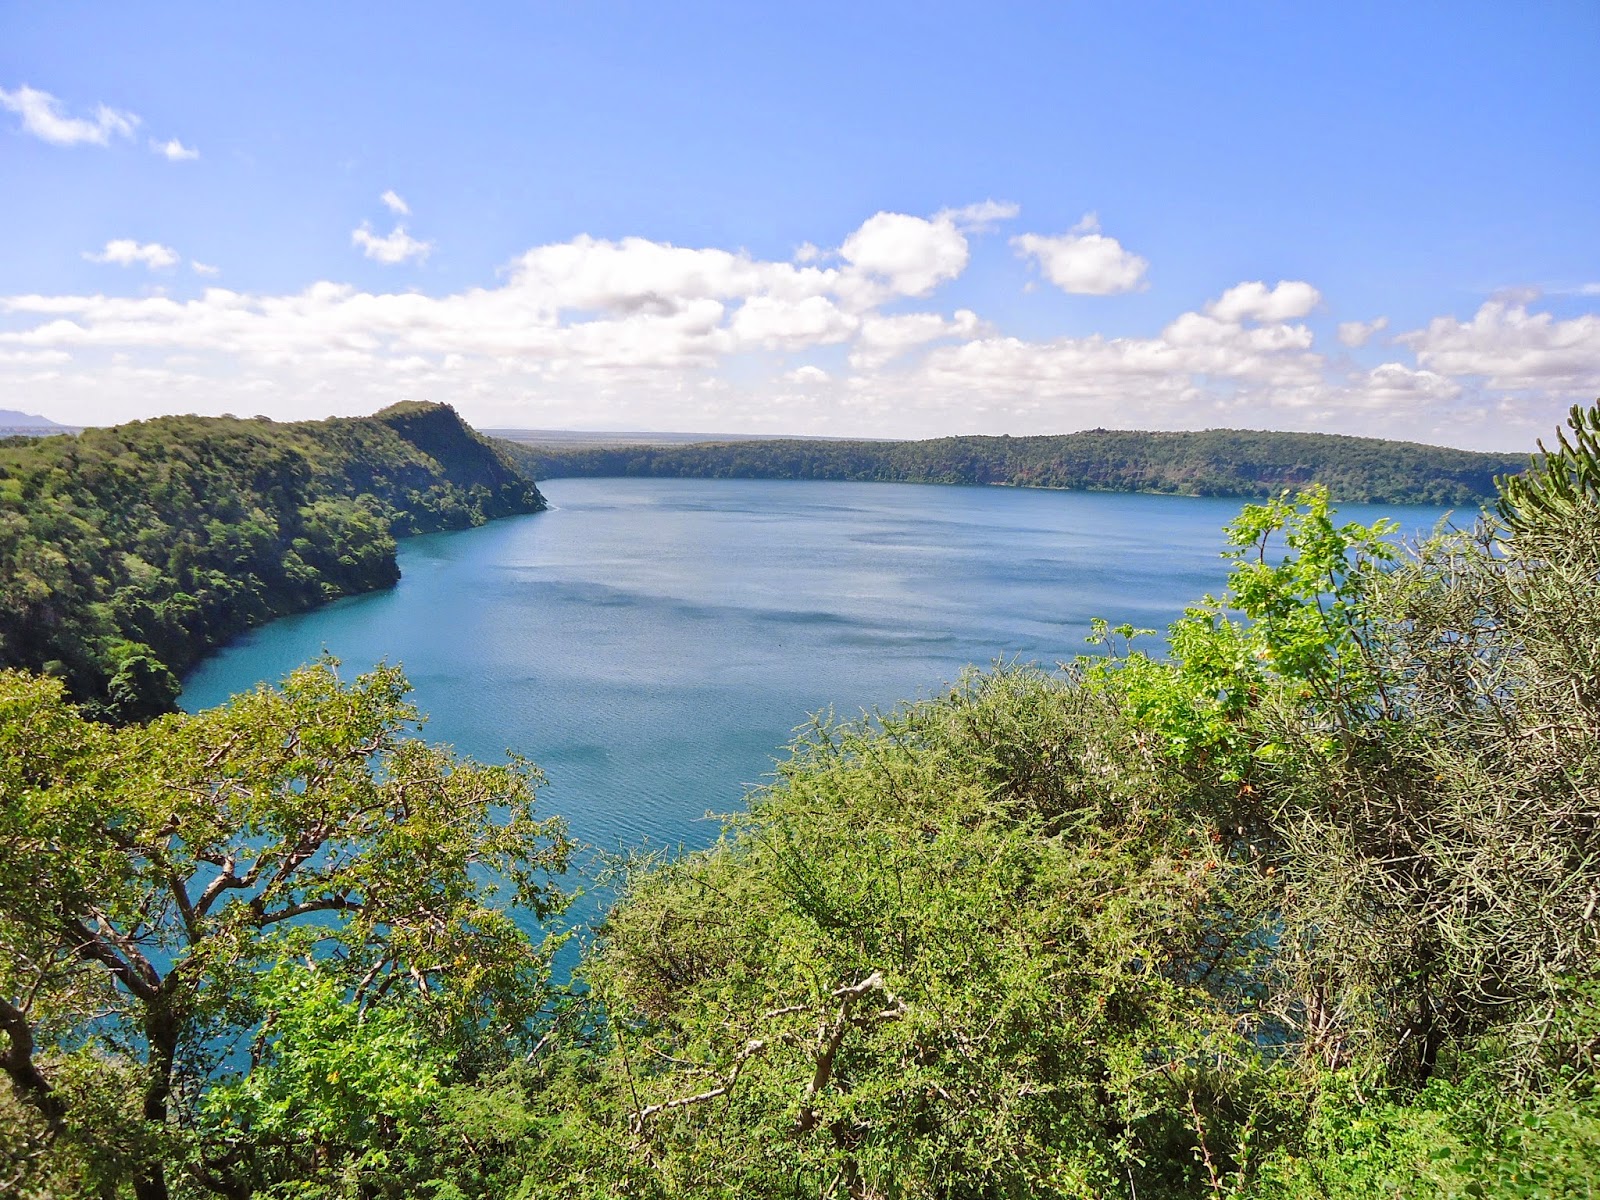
1300,901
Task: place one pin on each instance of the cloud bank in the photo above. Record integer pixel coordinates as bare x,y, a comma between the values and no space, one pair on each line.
636,333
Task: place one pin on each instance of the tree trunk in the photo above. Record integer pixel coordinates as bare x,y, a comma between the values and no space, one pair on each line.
17,1062
161,1032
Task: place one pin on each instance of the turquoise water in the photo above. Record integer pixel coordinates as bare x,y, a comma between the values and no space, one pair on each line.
652,644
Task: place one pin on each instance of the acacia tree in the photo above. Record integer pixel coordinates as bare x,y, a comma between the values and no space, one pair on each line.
154,879
1401,758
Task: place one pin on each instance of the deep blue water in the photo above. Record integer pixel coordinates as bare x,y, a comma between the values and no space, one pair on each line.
652,644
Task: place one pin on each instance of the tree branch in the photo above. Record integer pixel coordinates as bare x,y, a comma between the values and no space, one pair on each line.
17,1062
134,971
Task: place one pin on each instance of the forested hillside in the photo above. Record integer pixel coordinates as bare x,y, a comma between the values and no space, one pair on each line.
1217,462
126,553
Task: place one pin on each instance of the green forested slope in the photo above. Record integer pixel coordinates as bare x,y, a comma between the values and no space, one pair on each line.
126,553
1217,462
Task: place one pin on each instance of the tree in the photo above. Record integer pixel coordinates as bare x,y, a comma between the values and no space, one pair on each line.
953,951
1400,756
155,880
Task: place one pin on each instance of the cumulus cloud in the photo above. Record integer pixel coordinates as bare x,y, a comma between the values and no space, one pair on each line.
885,338
909,255
396,246
779,324
174,151
392,201
1084,261
641,333
1394,385
1512,348
200,268
1255,301
125,252
1194,348
42,116
1358,333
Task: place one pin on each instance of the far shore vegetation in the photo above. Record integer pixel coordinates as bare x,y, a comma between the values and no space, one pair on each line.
1217,462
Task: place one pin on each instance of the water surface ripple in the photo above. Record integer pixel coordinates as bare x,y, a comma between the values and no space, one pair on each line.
652,644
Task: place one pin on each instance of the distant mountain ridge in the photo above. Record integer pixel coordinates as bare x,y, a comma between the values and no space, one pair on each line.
128,552
14,422
1215,462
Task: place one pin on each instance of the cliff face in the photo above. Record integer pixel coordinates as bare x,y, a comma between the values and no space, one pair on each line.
128,553
465,458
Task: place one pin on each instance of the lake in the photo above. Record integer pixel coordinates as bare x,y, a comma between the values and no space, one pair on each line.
653,644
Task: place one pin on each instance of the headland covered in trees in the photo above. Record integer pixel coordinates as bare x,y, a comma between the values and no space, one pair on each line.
1300,903
1216,462
126,553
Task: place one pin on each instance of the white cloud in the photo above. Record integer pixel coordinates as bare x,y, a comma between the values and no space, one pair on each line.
42,117
909,255
1513,349
779,324
1358,333
975,218
396,246
392,201
885,338
34,358
1084,261
1255,301
1394,385
200,268
647,334
174,151
125,252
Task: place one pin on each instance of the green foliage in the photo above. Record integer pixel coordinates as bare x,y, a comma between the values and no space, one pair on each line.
1216,462
1308,907
155,881
1299,629
127,553
953,951
334,1089
1559,486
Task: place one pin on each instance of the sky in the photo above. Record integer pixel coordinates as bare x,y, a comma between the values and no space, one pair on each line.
861,219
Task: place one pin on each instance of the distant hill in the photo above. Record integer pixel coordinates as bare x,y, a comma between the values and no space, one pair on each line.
128,552
14,423
10,416
1216,462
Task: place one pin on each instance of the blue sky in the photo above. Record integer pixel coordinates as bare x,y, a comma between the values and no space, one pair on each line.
875,219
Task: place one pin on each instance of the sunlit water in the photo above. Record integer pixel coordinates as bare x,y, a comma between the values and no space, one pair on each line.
652,644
